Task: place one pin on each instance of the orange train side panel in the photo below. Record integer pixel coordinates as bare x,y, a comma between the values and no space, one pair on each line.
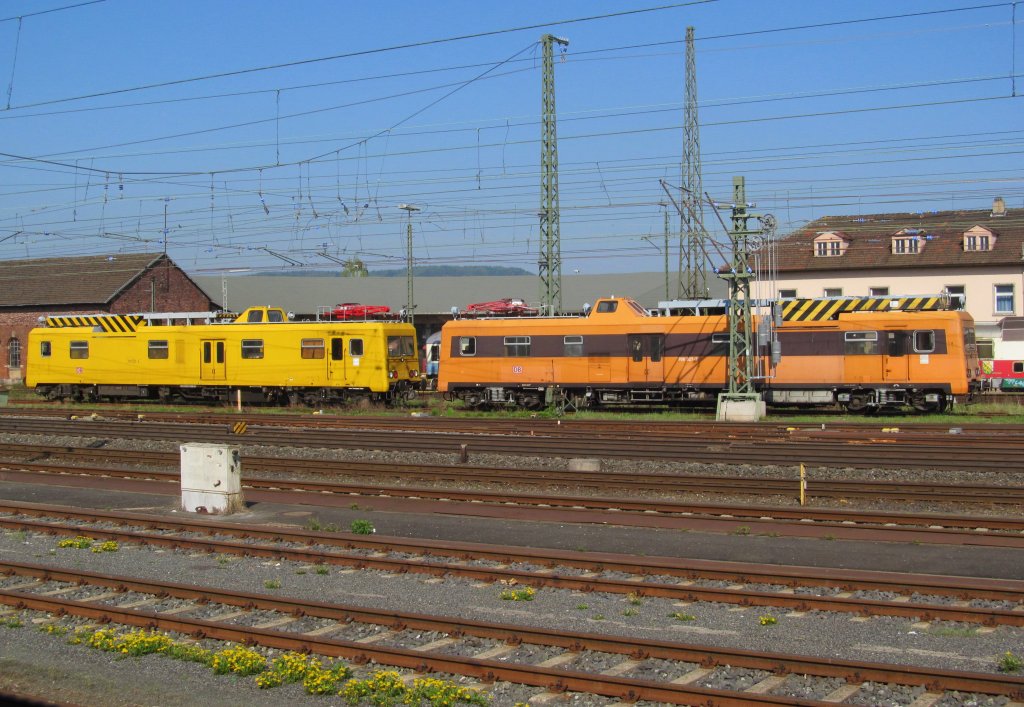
628,347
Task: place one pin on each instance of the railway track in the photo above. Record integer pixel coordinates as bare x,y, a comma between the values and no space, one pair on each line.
949,452
518,425
990,531
990,602
218,614
662,483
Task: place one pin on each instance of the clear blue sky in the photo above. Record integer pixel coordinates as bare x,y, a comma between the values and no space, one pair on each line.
902,114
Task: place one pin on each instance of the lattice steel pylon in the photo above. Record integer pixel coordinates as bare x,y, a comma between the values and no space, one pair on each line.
550,263
693,281
741,335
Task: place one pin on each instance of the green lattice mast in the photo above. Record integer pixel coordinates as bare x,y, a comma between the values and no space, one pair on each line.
550,263
693,281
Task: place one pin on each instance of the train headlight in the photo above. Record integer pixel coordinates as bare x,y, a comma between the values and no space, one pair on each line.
392,374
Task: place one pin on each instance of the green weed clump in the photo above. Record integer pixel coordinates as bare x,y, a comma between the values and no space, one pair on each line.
525,594
386,688
363,527
79,543
1010,663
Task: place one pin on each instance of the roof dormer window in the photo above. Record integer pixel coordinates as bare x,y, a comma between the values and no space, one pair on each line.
902,246
978,238
909,241
829,245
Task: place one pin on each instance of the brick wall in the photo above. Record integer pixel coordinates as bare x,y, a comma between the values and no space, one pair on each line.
166,287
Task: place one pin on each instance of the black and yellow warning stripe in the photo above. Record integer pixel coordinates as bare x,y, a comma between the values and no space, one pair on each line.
809,310
111,323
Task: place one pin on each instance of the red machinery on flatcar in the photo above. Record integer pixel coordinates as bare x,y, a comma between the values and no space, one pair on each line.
350,311
507,307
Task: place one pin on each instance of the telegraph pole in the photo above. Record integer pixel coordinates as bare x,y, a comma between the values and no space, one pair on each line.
550,263
741,402
409,299
693,282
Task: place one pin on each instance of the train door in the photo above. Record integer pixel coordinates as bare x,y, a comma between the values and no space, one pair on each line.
646,358
895,361
212,367
336,361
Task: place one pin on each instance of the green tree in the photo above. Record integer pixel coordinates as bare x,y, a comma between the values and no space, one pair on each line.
354,267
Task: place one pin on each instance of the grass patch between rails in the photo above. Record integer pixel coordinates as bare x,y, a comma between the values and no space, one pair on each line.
272,669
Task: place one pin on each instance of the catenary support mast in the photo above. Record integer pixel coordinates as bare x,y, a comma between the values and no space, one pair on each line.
550,263
693,283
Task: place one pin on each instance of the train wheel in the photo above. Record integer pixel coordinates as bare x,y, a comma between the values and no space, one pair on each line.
859,402
530,402
920,404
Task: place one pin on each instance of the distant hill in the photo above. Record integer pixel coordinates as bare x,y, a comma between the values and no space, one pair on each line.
425,271
453,271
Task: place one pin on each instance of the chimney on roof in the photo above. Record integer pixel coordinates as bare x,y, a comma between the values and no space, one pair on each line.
998,207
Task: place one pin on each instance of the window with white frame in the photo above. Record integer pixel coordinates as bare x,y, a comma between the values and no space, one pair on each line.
906,245
787,294
1003,299
829,245
878,291
517,346
978,238
957,291
14,353
833,292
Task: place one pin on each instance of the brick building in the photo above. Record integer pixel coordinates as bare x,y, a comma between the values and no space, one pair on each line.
121,283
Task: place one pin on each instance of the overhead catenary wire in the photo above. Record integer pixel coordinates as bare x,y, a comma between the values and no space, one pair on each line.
453,190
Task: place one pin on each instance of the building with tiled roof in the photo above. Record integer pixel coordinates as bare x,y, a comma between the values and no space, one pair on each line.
978,255
118,283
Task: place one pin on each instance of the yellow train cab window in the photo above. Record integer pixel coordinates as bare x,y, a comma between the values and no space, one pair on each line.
337,349
517,346
401,346
252,348
313,348
355,347
467,346
924,341
45,349
158,348
255,316
860,342
274,316
572,345
79,349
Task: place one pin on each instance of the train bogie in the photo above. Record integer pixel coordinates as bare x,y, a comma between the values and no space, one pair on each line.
256,359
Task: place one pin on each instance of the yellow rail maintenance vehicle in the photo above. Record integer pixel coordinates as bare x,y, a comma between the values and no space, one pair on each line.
259,356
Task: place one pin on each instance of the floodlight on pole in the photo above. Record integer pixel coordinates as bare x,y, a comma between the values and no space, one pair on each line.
410,305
